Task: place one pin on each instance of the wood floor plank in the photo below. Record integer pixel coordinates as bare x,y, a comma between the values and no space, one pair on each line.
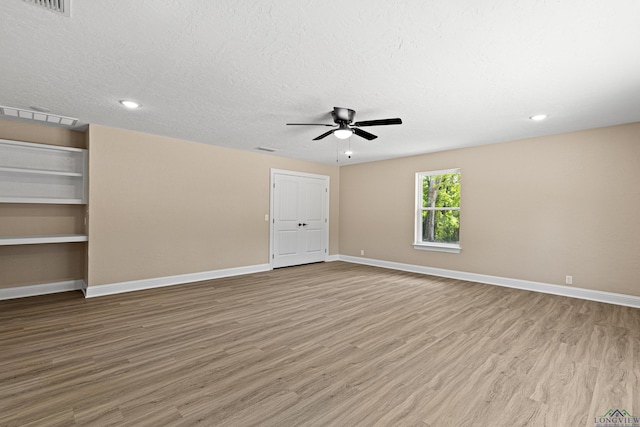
316,345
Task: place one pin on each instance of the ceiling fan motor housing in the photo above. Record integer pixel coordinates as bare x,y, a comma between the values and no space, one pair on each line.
343,115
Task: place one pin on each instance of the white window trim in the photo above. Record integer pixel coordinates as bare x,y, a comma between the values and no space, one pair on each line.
438,247
453,248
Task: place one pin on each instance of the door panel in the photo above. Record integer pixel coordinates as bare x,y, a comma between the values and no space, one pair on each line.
288,202
313,241
314,198
287,242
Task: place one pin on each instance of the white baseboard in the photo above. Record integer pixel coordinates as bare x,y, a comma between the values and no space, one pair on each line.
136,285
581,293
41,289
159,282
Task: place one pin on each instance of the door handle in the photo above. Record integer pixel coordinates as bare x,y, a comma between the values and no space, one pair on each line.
302,224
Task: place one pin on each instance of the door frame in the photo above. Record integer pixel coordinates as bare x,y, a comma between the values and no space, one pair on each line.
274,172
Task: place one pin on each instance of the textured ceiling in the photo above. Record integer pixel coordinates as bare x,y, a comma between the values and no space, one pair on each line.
229,73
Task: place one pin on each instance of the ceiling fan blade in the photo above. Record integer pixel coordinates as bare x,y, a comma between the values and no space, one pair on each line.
323,135
308,124
364,134
381,122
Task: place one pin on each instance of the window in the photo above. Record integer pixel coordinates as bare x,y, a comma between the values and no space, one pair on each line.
438,211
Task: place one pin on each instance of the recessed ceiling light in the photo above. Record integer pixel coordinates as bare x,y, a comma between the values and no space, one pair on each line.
130,104
539,117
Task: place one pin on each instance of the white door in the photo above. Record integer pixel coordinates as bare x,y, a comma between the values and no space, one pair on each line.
299,218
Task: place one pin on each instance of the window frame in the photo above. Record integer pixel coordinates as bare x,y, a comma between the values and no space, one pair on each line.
417,238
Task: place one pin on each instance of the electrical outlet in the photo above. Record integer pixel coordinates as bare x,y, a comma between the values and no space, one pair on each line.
361,251
568,280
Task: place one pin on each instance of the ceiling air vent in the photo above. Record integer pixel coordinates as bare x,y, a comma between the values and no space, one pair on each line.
63,7
267,149
19,113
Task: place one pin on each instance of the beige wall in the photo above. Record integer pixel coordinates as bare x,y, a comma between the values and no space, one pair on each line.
162,207
537,209
35,264
27,132
24,265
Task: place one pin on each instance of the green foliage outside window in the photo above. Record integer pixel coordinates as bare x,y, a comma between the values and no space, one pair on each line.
441,208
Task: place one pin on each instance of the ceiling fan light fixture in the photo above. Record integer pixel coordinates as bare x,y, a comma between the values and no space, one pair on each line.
343,132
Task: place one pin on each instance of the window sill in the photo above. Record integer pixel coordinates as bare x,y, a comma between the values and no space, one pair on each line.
438,247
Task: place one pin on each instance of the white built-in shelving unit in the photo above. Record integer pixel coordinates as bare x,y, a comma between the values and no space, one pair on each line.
41,173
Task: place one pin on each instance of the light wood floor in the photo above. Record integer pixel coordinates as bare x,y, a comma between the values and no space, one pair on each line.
325,344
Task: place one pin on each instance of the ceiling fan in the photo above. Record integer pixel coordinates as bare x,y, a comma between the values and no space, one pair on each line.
343,118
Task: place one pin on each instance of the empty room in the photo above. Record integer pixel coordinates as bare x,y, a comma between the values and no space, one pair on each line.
299,213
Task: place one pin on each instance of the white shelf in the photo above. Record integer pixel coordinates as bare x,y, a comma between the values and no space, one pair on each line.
42,200
41,173
35,240
37,146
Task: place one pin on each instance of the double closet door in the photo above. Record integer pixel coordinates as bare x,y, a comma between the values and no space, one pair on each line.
300,223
